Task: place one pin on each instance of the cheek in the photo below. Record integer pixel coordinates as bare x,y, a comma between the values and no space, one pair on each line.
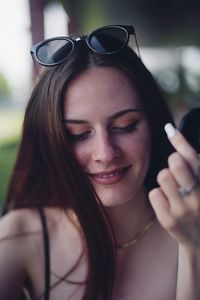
138,147
81,154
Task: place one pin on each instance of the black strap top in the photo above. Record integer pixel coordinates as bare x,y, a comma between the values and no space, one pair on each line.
26,290
46,254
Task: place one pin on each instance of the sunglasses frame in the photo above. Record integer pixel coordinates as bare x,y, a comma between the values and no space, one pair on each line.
128,29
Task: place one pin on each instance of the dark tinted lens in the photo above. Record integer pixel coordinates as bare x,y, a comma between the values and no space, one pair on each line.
108,40
55,51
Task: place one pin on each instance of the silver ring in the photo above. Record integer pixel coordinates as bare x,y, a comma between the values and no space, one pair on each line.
187,191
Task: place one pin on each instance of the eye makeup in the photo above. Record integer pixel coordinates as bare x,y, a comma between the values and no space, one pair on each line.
122,122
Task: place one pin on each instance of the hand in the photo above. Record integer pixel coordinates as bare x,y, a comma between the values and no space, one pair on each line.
178,214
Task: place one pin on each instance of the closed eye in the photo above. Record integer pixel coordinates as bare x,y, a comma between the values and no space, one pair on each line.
125,129
78,137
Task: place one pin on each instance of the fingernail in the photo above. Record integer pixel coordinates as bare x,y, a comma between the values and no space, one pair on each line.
170,130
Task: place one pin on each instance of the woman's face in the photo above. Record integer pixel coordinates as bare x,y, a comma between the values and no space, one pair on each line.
109,133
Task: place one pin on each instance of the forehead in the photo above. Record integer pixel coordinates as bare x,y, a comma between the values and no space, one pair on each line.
101,89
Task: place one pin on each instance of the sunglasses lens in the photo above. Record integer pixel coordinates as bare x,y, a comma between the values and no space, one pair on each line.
54,51
108,40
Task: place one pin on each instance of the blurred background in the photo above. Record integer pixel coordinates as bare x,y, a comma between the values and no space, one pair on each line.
167,32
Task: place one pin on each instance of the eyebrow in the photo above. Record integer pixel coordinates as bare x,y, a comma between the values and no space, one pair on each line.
123,112
113,117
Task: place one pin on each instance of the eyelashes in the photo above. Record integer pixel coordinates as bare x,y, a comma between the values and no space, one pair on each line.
78,137
126,129
114,129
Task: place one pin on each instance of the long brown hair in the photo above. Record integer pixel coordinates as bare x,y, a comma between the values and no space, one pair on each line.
47,173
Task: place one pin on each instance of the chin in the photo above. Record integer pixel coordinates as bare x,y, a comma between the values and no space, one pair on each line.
113,200
116,196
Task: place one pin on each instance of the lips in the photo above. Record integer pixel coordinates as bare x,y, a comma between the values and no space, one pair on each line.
110,177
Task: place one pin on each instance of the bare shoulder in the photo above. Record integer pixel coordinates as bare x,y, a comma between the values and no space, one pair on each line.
28,221
22,248
14,250
21,230
18,222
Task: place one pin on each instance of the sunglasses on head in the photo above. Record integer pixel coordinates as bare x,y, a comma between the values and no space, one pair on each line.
104,40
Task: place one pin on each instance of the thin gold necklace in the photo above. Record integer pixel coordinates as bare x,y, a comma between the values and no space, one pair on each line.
136,239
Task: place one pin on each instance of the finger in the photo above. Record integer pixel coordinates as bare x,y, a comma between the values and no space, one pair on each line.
182,146
181,170
169,188
182,175
161,207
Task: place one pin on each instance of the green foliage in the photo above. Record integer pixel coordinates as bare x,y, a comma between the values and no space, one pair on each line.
8,153
10,128
5,90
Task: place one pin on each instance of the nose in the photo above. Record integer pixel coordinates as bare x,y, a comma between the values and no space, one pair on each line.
105,150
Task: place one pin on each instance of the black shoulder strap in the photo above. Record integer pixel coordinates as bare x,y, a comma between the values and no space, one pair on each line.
46,254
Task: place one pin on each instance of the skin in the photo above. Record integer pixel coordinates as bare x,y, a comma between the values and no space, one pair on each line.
180,216
102,148
165,263
113,145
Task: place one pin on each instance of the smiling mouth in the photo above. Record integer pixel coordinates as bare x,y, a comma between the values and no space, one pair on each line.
110,177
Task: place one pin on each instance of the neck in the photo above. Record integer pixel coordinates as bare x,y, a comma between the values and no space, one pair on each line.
128,219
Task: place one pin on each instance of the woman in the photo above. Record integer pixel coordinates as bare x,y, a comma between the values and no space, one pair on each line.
84,215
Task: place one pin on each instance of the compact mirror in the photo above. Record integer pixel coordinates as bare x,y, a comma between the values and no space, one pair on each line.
190,127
